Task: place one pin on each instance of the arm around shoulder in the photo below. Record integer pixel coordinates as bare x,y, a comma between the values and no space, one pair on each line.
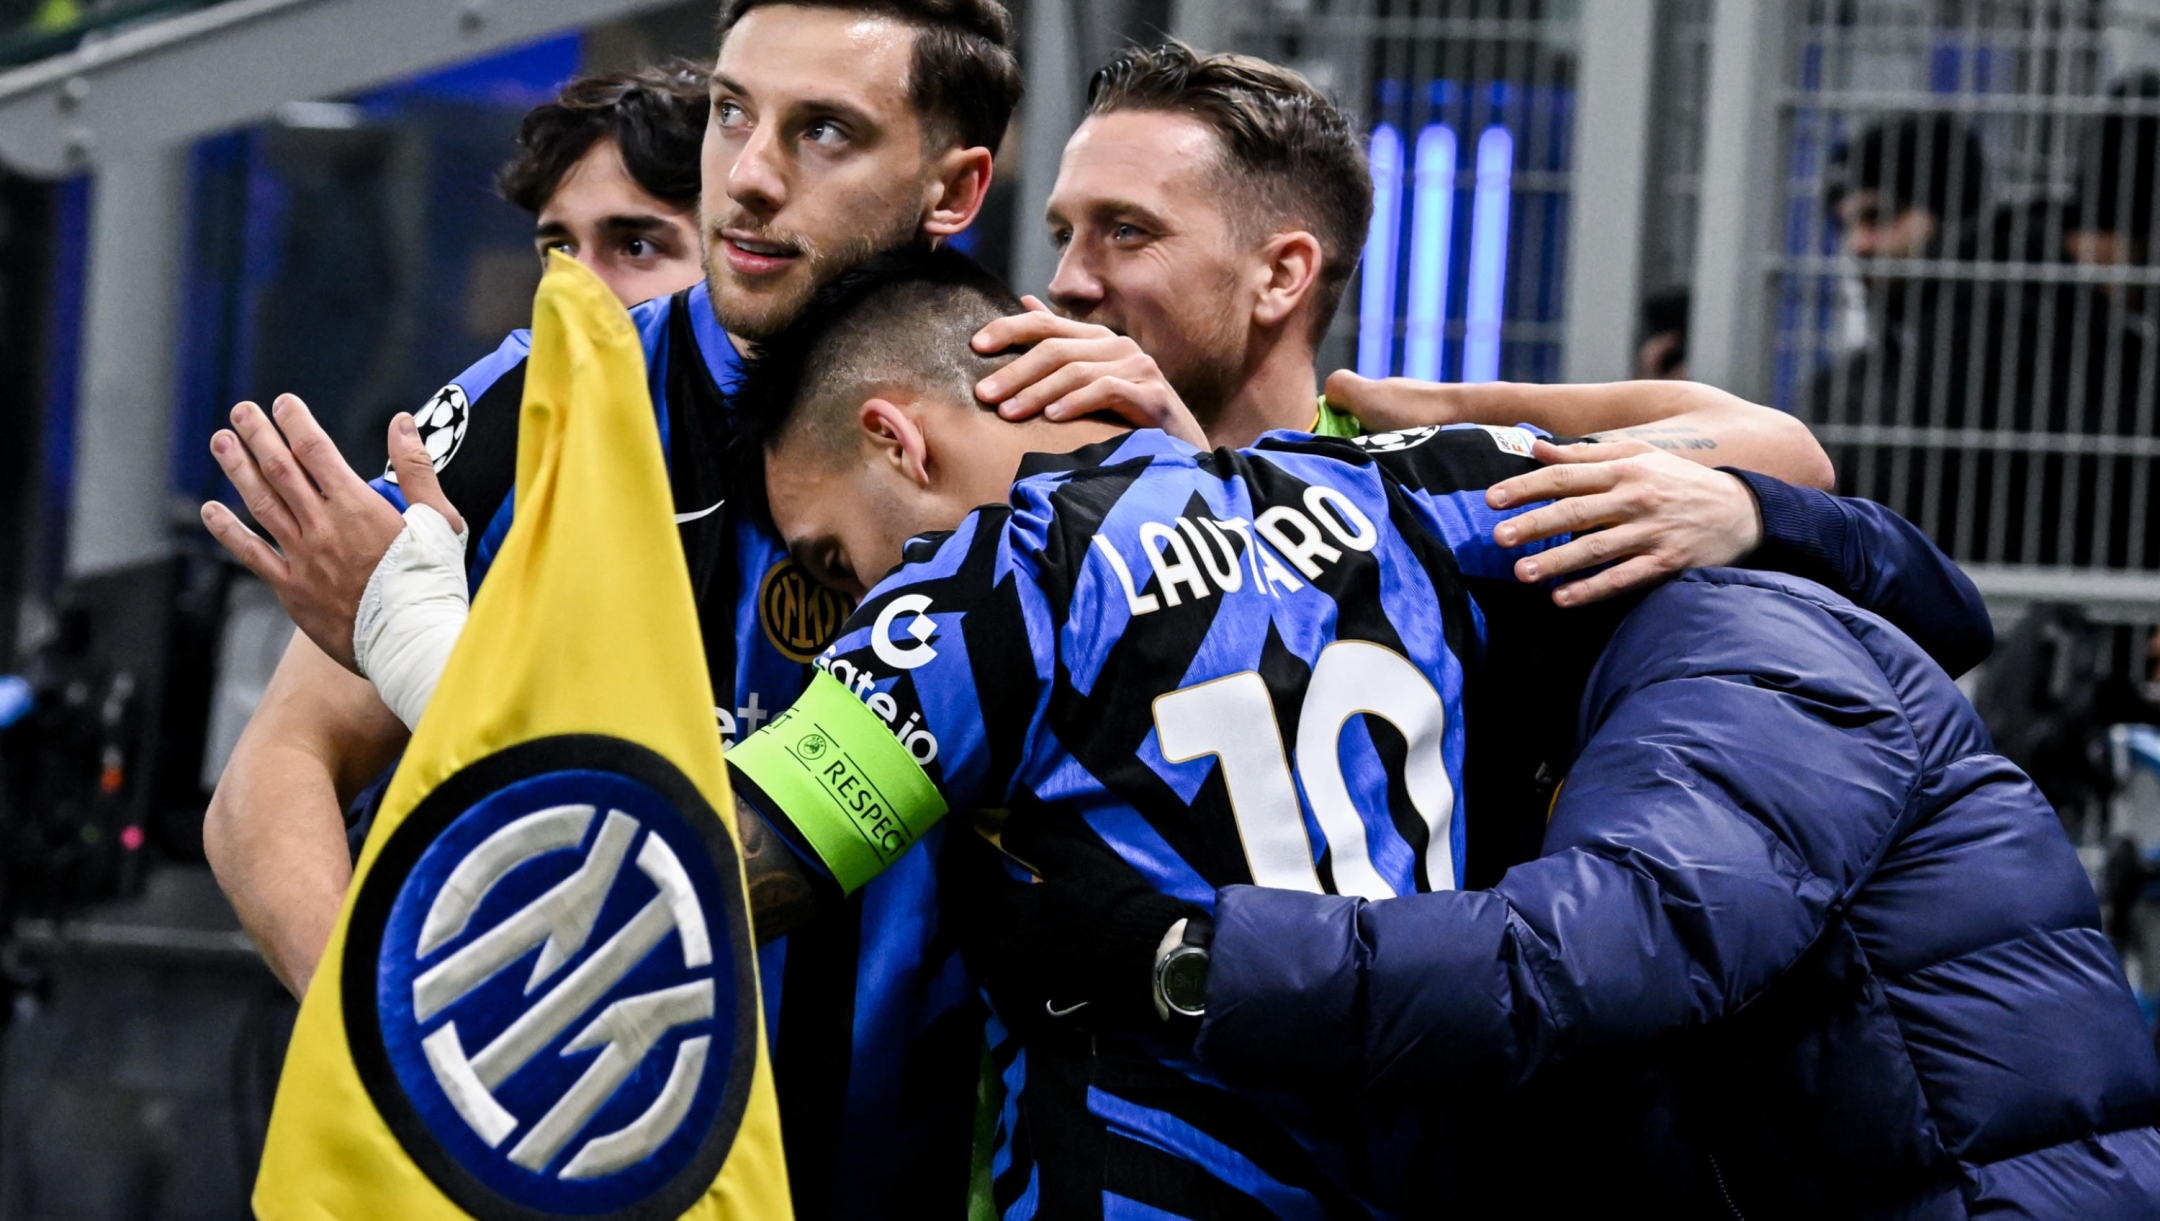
1700,423
1695,852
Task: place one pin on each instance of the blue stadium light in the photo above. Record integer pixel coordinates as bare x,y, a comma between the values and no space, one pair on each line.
1488,255
1376,299
1432,232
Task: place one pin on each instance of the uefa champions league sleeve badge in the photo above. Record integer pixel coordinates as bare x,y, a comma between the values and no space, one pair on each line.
549,984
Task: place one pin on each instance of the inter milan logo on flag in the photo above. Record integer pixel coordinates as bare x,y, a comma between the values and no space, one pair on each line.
551,984
541,999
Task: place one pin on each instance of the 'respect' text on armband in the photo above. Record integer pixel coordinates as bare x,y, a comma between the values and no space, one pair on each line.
836,773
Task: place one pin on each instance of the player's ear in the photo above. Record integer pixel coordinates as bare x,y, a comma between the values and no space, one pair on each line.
1290,267
896,438
956,191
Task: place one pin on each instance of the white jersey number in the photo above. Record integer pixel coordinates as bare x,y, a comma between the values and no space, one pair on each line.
1233,719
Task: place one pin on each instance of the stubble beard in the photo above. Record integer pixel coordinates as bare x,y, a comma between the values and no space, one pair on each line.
756,314
1208,368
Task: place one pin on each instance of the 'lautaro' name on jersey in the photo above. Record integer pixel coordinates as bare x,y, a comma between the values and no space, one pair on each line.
1196,558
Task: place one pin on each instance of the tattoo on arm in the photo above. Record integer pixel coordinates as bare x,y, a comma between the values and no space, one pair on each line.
782,898
1673,437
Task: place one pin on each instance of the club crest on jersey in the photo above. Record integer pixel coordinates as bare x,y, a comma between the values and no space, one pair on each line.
800,616
548,984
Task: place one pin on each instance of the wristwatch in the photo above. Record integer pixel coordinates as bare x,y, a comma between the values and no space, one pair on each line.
1181,969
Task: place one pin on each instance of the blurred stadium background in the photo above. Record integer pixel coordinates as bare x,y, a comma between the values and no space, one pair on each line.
207,201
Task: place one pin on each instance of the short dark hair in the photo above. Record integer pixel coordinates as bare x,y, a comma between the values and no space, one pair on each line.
1290,155
656,116
1931,162
963,79
899,320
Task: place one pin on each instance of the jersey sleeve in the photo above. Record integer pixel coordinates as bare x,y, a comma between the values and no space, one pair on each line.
922,706
471,427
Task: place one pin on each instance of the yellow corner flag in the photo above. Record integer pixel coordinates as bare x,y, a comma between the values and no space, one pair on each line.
541,999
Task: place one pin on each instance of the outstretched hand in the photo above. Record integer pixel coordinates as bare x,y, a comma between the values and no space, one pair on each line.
1077,369
329,527
1644,512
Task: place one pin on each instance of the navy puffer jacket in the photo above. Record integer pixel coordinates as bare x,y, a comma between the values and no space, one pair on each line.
1799,944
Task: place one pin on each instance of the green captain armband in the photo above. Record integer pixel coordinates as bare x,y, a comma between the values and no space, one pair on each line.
835,771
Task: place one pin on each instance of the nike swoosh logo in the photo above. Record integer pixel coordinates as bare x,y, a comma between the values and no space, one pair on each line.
1050,1007
707,511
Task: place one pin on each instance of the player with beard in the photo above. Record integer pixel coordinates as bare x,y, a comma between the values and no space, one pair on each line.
835,129
1212,207
1115,660
789,143
848,486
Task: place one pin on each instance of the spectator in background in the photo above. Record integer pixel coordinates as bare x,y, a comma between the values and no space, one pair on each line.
1907,190
1663,354
2110,224
1910,187
2056,361
1908,194
609,170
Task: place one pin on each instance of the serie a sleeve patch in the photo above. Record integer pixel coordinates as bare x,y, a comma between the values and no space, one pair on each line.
837,774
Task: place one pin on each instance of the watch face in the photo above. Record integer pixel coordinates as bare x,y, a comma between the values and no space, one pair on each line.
1184,981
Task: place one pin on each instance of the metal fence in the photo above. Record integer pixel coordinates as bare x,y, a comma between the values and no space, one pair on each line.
1682,71
1470,106
1943,247
1965,303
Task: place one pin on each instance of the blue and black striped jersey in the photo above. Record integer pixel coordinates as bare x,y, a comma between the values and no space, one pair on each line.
1225,667
876,1055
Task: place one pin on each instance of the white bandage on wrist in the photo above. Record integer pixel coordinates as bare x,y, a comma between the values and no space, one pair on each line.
411,613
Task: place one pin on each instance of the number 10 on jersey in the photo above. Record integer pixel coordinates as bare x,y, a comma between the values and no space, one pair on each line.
1222,717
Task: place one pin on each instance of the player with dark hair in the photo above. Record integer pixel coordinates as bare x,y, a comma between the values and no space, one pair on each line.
832,129
925,451
1212,207
1289,153
609,170
1188,668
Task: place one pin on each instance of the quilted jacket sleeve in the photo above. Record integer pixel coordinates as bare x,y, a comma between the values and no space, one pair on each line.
1879,560
1747,762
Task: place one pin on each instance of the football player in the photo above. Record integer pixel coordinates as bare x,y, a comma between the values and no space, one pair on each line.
1194,667
896,332
609,170
1213,208
830,130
